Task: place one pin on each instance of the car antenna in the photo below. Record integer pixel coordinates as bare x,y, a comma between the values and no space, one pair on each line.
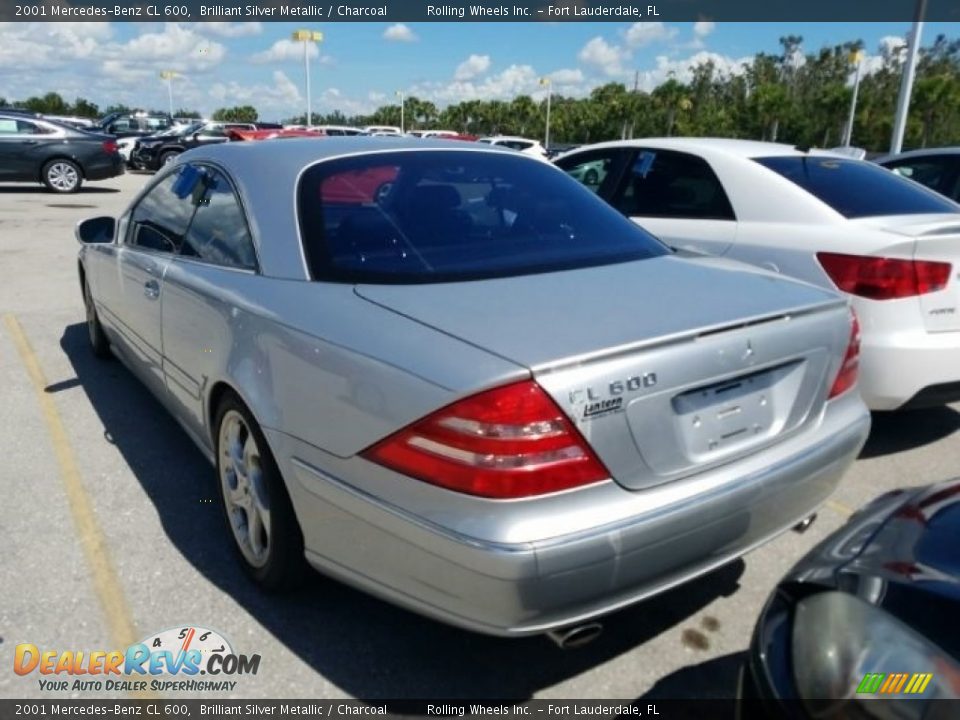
802,148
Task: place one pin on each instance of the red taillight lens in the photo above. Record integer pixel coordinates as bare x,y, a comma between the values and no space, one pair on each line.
509,442
110,146
850,368
880,278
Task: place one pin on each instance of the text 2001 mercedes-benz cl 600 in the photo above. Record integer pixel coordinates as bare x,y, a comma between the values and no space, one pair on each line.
451,376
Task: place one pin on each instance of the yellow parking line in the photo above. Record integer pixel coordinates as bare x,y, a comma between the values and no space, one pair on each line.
106,584
840,508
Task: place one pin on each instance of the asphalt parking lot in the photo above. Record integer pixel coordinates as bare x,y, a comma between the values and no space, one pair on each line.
113,533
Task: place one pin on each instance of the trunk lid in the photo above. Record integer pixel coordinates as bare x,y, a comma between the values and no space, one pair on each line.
667,366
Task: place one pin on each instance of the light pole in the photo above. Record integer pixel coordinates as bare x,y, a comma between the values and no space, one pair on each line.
402,99
856,57
546,139
169,75
906,81
307,37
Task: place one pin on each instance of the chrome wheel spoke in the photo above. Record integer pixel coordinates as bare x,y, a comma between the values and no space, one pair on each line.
243,486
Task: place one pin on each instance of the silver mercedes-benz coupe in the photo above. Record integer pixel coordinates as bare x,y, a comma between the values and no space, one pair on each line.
448,374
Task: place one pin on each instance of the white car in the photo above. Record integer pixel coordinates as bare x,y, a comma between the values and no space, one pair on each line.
382,130
336,130
125,147
842,223
524,145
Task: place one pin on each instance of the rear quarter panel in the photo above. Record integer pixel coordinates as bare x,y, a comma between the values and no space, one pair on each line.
311,360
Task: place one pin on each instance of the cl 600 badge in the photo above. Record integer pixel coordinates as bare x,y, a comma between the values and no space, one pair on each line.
600,401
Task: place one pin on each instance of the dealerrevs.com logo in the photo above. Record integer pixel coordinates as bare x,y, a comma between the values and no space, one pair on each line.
167,661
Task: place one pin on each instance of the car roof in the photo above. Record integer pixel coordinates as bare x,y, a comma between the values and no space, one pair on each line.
511,137
919,153
726,146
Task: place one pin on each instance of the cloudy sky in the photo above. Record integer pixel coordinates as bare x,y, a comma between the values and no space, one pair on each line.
362,65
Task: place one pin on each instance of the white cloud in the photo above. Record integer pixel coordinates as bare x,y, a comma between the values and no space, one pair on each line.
566,77
644,33
682,69
233,29
472,67
704,28
287,50
603,56
273,101
400,33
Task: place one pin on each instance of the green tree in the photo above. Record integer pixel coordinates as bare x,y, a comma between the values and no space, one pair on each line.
85,108
239,113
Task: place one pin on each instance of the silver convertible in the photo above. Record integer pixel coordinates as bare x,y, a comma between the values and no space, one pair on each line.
449,375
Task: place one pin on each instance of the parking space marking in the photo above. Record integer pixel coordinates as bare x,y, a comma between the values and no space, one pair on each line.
106,584
838,507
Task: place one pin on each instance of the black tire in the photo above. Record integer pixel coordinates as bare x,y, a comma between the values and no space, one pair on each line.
283,566
167,157
62,176
98,339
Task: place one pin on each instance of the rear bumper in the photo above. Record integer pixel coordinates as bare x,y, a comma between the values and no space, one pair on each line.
530,587
910,370
105,169
144,157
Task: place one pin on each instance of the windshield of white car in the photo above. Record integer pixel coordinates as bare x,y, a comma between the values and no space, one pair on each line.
856,188
441,216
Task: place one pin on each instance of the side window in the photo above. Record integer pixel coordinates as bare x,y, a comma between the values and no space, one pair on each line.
665,183
8,126
124,125
933,172
591,169
160,219
218,233
213,131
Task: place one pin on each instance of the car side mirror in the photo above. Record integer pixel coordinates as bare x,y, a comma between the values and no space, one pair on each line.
97,230
196,135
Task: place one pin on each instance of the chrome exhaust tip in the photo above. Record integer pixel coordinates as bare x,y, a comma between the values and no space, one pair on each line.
804,525
575,636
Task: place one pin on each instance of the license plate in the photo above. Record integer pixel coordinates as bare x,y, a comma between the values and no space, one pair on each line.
731,414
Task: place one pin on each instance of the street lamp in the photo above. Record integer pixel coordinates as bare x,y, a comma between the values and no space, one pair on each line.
307,37
546,139
400,95
906,81
856,57
169,75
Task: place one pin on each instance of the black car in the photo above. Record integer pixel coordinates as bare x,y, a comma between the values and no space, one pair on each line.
865,626
937,168
33,149
151,153
138,124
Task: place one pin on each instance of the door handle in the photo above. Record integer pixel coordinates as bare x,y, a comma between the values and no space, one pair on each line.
151,288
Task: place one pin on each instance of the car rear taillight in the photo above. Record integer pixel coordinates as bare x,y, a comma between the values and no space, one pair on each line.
110,146
881,278
509,442
850,367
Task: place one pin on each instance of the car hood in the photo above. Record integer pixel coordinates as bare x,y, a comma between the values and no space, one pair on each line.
564,317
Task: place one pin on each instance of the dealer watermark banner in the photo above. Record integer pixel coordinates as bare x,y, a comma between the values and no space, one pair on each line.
484,11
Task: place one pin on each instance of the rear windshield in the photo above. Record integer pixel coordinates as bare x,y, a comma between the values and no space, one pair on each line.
439,216
855,188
